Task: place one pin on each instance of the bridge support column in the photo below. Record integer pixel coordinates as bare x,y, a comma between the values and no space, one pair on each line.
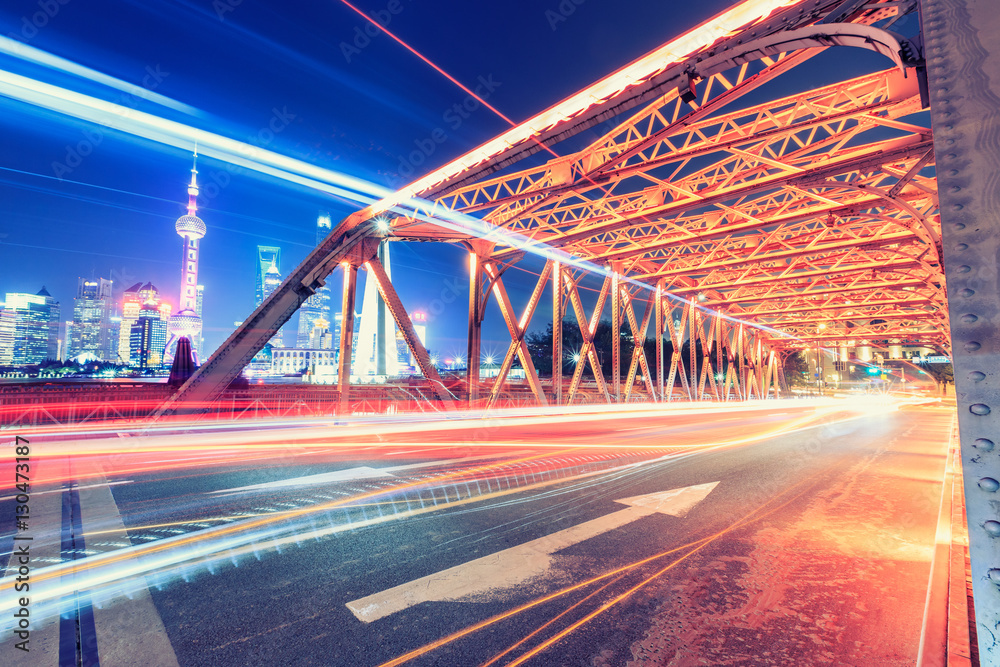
476,313
380,335
557,320
659,341
963,71
616,336
694,323
347,335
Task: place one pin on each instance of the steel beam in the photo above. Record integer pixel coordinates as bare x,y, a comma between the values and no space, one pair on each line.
477,307
659,340
347,334
963,69
616,339
558,312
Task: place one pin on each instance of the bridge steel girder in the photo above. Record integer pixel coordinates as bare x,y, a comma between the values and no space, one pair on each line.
347,334
641,82
558,313
963,65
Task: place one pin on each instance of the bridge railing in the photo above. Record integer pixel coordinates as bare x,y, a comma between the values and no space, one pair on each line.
30,406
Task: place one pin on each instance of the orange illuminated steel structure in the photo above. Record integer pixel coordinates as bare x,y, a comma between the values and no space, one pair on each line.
738,228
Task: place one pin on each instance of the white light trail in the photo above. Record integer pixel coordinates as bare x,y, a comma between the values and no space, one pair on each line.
22,51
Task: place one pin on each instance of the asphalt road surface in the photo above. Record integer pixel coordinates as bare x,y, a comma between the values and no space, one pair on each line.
791,533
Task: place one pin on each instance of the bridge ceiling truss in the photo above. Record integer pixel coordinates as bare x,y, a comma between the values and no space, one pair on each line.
781,213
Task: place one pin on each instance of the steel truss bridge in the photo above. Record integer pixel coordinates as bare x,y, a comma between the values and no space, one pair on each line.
747,229
734,224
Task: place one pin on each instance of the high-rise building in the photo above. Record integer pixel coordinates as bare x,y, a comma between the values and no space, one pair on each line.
320,338
90,331
147,338
36,327
8,325
272,280
134,299
267,256
318,305
187,321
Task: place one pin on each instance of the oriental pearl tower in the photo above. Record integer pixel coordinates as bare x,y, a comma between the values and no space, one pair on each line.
187,321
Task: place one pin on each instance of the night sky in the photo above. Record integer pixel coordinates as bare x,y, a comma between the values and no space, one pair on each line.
110,213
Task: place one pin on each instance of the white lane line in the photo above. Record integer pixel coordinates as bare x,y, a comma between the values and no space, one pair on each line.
129,629
512,567
351,474
88,486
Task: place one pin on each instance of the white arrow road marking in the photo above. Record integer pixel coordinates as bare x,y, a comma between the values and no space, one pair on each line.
511,567
363,472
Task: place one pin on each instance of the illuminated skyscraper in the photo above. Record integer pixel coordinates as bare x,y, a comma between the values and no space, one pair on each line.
133,300
318,305
36,327
272,280
267,256
147,338
90,332
8,325
187,321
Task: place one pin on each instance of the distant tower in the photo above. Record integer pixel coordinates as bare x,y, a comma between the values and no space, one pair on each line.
191,228
272,281
91,330
267,256
316,307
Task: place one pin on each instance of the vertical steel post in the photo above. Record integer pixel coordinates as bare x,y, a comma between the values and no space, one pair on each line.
616,337
694,322
475,326
819,369
741,360
720,362
963,71
659,340
347,334
557,347
380,342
